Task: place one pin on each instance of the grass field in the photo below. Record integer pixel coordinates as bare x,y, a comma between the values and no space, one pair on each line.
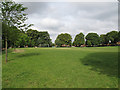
95,67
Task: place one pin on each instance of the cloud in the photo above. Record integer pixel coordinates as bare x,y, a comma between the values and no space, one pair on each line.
50,23
73,17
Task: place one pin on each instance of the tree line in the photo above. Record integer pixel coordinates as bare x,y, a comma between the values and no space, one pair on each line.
32,38
91,39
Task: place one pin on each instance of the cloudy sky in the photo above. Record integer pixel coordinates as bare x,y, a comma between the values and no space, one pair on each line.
72,17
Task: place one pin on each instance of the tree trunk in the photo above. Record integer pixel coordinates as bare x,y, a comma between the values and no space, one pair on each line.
14,47
6,50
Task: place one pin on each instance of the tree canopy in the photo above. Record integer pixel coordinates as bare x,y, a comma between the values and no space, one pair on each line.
13,14
93,38
112,36
33,35
63,39
79,39
119,36
103,39
44,39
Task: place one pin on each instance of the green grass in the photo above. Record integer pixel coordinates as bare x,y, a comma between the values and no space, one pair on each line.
94,67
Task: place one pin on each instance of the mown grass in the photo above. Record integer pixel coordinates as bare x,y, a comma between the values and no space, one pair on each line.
95,67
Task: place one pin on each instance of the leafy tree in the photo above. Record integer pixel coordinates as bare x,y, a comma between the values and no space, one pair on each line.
34,35
63,39
14,36
119,36
93,38
112,36
44,39
24,40
79,40
89,43
13,15
103,39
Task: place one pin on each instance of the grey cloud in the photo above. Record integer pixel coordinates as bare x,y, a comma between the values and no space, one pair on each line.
35,7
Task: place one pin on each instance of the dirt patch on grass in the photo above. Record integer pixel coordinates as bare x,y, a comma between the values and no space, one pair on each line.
18,51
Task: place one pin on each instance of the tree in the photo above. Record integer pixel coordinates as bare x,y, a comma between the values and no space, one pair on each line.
79,40
103,39
118,36
112,36
63,39
24,40
34,35
44,39
93,38
14,36
5,34
88,43
13,15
